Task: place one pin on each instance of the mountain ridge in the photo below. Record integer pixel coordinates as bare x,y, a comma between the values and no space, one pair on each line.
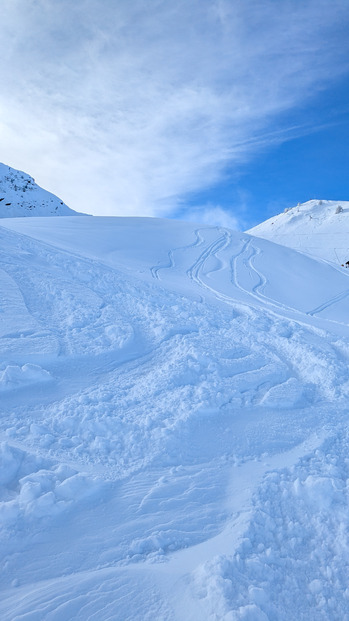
20,196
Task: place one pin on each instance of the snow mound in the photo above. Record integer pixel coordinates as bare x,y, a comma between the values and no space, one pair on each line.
32,488
21,196
14,376
319,228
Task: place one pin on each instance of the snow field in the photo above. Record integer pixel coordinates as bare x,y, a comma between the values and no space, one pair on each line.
154,457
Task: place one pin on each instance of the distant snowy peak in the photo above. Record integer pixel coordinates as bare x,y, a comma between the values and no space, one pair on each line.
319,228
21,196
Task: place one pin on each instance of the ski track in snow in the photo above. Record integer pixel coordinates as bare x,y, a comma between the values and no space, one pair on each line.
245,258
163,457
155,269
328,303
196,272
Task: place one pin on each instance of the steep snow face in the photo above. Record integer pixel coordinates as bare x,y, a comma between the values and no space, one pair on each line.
319,228
173,424
21,196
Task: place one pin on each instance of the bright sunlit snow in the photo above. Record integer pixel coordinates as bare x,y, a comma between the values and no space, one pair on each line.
318,227
174,404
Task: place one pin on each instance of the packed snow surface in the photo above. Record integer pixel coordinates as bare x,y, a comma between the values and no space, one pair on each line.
174,425
21,196
319,228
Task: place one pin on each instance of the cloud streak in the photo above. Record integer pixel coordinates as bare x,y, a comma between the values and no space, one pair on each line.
125,108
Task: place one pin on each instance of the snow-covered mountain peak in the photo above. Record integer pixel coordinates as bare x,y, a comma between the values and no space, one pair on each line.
318,227
21,196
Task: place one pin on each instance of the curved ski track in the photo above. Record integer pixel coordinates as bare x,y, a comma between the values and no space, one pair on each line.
156,268
246,255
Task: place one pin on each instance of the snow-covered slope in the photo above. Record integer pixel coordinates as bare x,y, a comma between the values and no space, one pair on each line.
173,424
319,228
21,196
185,259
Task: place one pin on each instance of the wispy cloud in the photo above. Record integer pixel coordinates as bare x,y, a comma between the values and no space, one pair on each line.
125,107
214,215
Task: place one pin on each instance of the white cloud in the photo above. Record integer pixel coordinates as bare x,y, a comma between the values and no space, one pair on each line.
215,215
124,107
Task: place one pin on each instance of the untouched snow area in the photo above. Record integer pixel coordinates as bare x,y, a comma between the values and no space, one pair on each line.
21,196
319,228
174,424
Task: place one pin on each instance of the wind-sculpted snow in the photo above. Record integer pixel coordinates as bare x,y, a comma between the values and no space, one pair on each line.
173,424
293,555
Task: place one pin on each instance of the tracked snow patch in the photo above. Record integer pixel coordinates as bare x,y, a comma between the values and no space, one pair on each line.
187,460
296,543
289,394
20,332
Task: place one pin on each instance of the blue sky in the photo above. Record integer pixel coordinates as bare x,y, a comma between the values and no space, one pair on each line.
223,111
314,164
